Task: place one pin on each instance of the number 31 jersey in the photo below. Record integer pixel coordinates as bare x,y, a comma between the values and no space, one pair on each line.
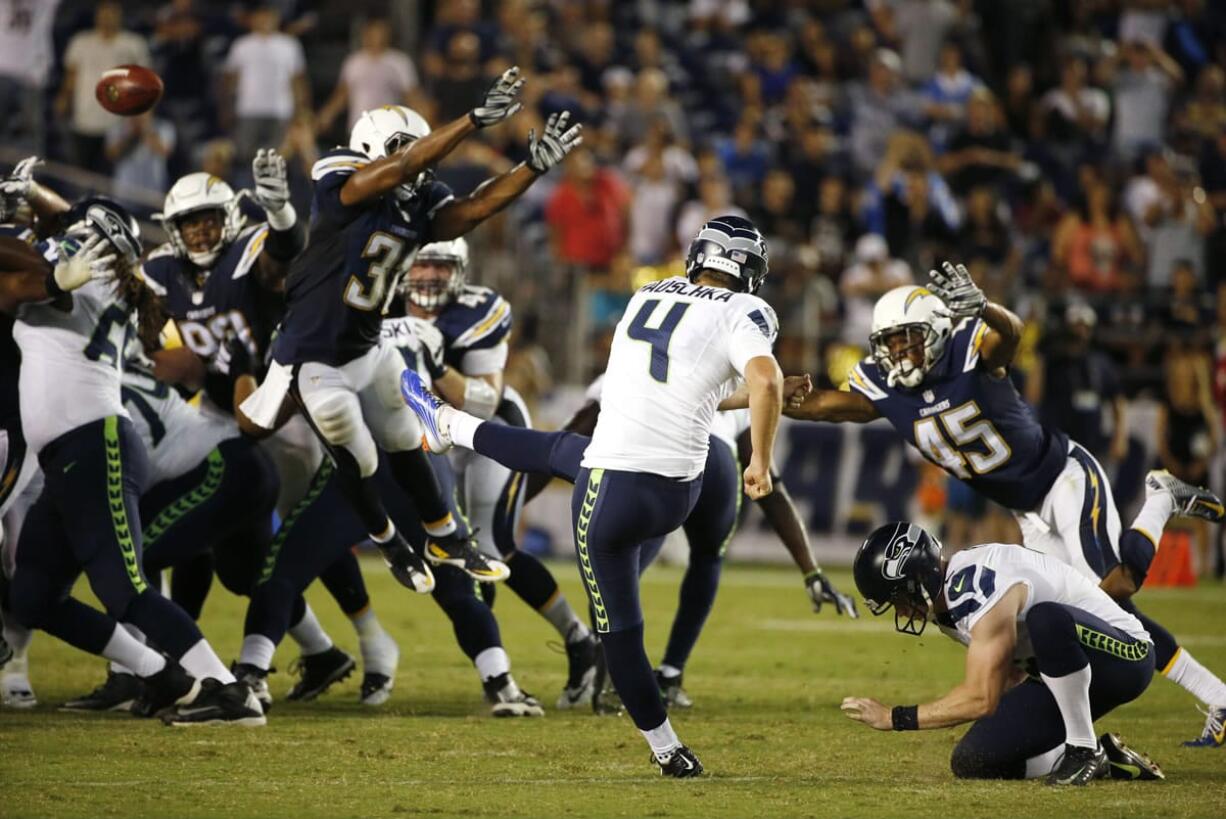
339,287
677,352
971,423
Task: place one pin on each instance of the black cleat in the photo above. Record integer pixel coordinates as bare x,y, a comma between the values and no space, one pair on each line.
605,699
119,692
581,673
1079,766
462,553
672,693
1125,763
507,700
681,764
407,566
376,688
218,703
318,672
256,679
169,687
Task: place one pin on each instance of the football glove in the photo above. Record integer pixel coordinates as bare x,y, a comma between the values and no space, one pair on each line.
15,188
94,259
821,591
233,358
953,285
432,347
555,143
501,100
271,181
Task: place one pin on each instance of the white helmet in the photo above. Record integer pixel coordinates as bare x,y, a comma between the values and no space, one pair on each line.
381,132
434,295
197,192
908,309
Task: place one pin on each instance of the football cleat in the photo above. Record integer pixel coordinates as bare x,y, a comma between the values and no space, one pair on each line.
15,688
376,688
1214,734
680,764
672,693
256,679
507,700
317,673
1079,766
1186,500
429,409
581,673
219,703
462,553
380,658
169,687
407,566
605,699
118,692
1125,763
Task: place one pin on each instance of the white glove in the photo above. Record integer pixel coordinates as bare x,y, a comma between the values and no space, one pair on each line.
500,101
554,144
95,259
271,181
954,286
432,346
15,188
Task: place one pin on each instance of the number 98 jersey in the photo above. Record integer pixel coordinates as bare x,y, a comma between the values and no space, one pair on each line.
971,423
339,287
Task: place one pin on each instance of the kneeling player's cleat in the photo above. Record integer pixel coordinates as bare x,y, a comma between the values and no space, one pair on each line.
407,566
1186,500
380,658
507,700
15,688
581,673
1079,766
1126,763
318,672
257,680
671,692
429,409
219,703
462,553
1214,734
679,764
605,699
166,689
118,692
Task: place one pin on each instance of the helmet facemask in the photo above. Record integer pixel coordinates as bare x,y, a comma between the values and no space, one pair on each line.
430,291
895,349
405,193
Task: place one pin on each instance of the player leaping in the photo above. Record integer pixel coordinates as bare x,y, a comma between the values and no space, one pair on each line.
375,204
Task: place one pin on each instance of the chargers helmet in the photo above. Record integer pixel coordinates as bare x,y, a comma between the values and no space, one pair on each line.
382,131
732,245
106,218
191,194
922,318
900,563
434,295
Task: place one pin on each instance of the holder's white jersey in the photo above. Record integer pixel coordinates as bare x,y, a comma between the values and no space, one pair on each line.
72,360
977,578
177,436
679,349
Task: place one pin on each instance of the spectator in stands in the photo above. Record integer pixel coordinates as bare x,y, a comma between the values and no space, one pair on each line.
90,53
981,154
1095,247
714,199
946,94
372,76
138,149
921,26
179,43
1074,115
776,214
594,56
833,232
461,79
1019,102
266,84
587,213
985,235
1186,303
909,202
746,158
25,61
648,104
656,196
454,17
878,108
1173,216
1213,178
1203,116
1143,83
872,276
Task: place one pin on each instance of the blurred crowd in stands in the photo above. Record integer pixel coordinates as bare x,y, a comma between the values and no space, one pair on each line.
1071,152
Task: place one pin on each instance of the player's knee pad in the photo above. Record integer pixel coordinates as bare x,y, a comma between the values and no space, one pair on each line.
338,417
969,762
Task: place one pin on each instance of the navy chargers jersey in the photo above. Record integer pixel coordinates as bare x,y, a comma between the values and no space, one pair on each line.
10,354
339,287
475,328
230,301
971,423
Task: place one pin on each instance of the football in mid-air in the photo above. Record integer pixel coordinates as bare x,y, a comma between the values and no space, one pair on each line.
128,90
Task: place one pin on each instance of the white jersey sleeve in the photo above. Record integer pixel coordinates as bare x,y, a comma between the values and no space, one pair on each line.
674,354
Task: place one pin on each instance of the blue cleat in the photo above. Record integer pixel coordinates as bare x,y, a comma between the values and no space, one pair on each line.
1214,735
428,408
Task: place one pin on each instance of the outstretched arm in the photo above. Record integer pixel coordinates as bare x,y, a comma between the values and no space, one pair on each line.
953,285
25,276
834,405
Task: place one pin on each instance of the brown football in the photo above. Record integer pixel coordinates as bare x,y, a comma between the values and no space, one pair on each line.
128,90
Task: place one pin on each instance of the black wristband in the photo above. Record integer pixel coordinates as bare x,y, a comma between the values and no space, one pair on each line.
905,717
472,117
53,287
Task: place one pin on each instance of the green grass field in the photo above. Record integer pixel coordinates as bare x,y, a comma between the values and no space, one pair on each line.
767,679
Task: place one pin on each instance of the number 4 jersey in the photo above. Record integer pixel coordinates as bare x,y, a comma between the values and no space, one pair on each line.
339,287
679,349
971,423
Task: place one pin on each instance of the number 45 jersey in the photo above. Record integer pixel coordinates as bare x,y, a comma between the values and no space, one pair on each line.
677,352
339,287
971,423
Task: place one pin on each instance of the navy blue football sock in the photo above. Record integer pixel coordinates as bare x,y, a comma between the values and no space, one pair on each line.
697,597
166,625
529,578
79,625
471,619
343,580
272,610
633,677
529,450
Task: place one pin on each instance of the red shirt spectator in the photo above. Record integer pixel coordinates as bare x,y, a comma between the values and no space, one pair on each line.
587,213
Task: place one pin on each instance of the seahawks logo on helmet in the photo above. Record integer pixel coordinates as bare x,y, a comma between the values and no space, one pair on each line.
896,555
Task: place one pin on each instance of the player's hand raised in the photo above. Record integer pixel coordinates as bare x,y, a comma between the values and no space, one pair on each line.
15,188
555,143
271,180
501,100
757,478
954,286
869,711
93,259
821,590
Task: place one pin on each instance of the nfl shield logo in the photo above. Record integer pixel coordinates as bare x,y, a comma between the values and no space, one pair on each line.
197,297
928,397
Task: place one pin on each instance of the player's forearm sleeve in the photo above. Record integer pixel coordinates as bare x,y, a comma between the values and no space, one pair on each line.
285,245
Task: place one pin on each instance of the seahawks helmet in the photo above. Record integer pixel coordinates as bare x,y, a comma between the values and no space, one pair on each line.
900,563
922,320
732,245
106,218
434,295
